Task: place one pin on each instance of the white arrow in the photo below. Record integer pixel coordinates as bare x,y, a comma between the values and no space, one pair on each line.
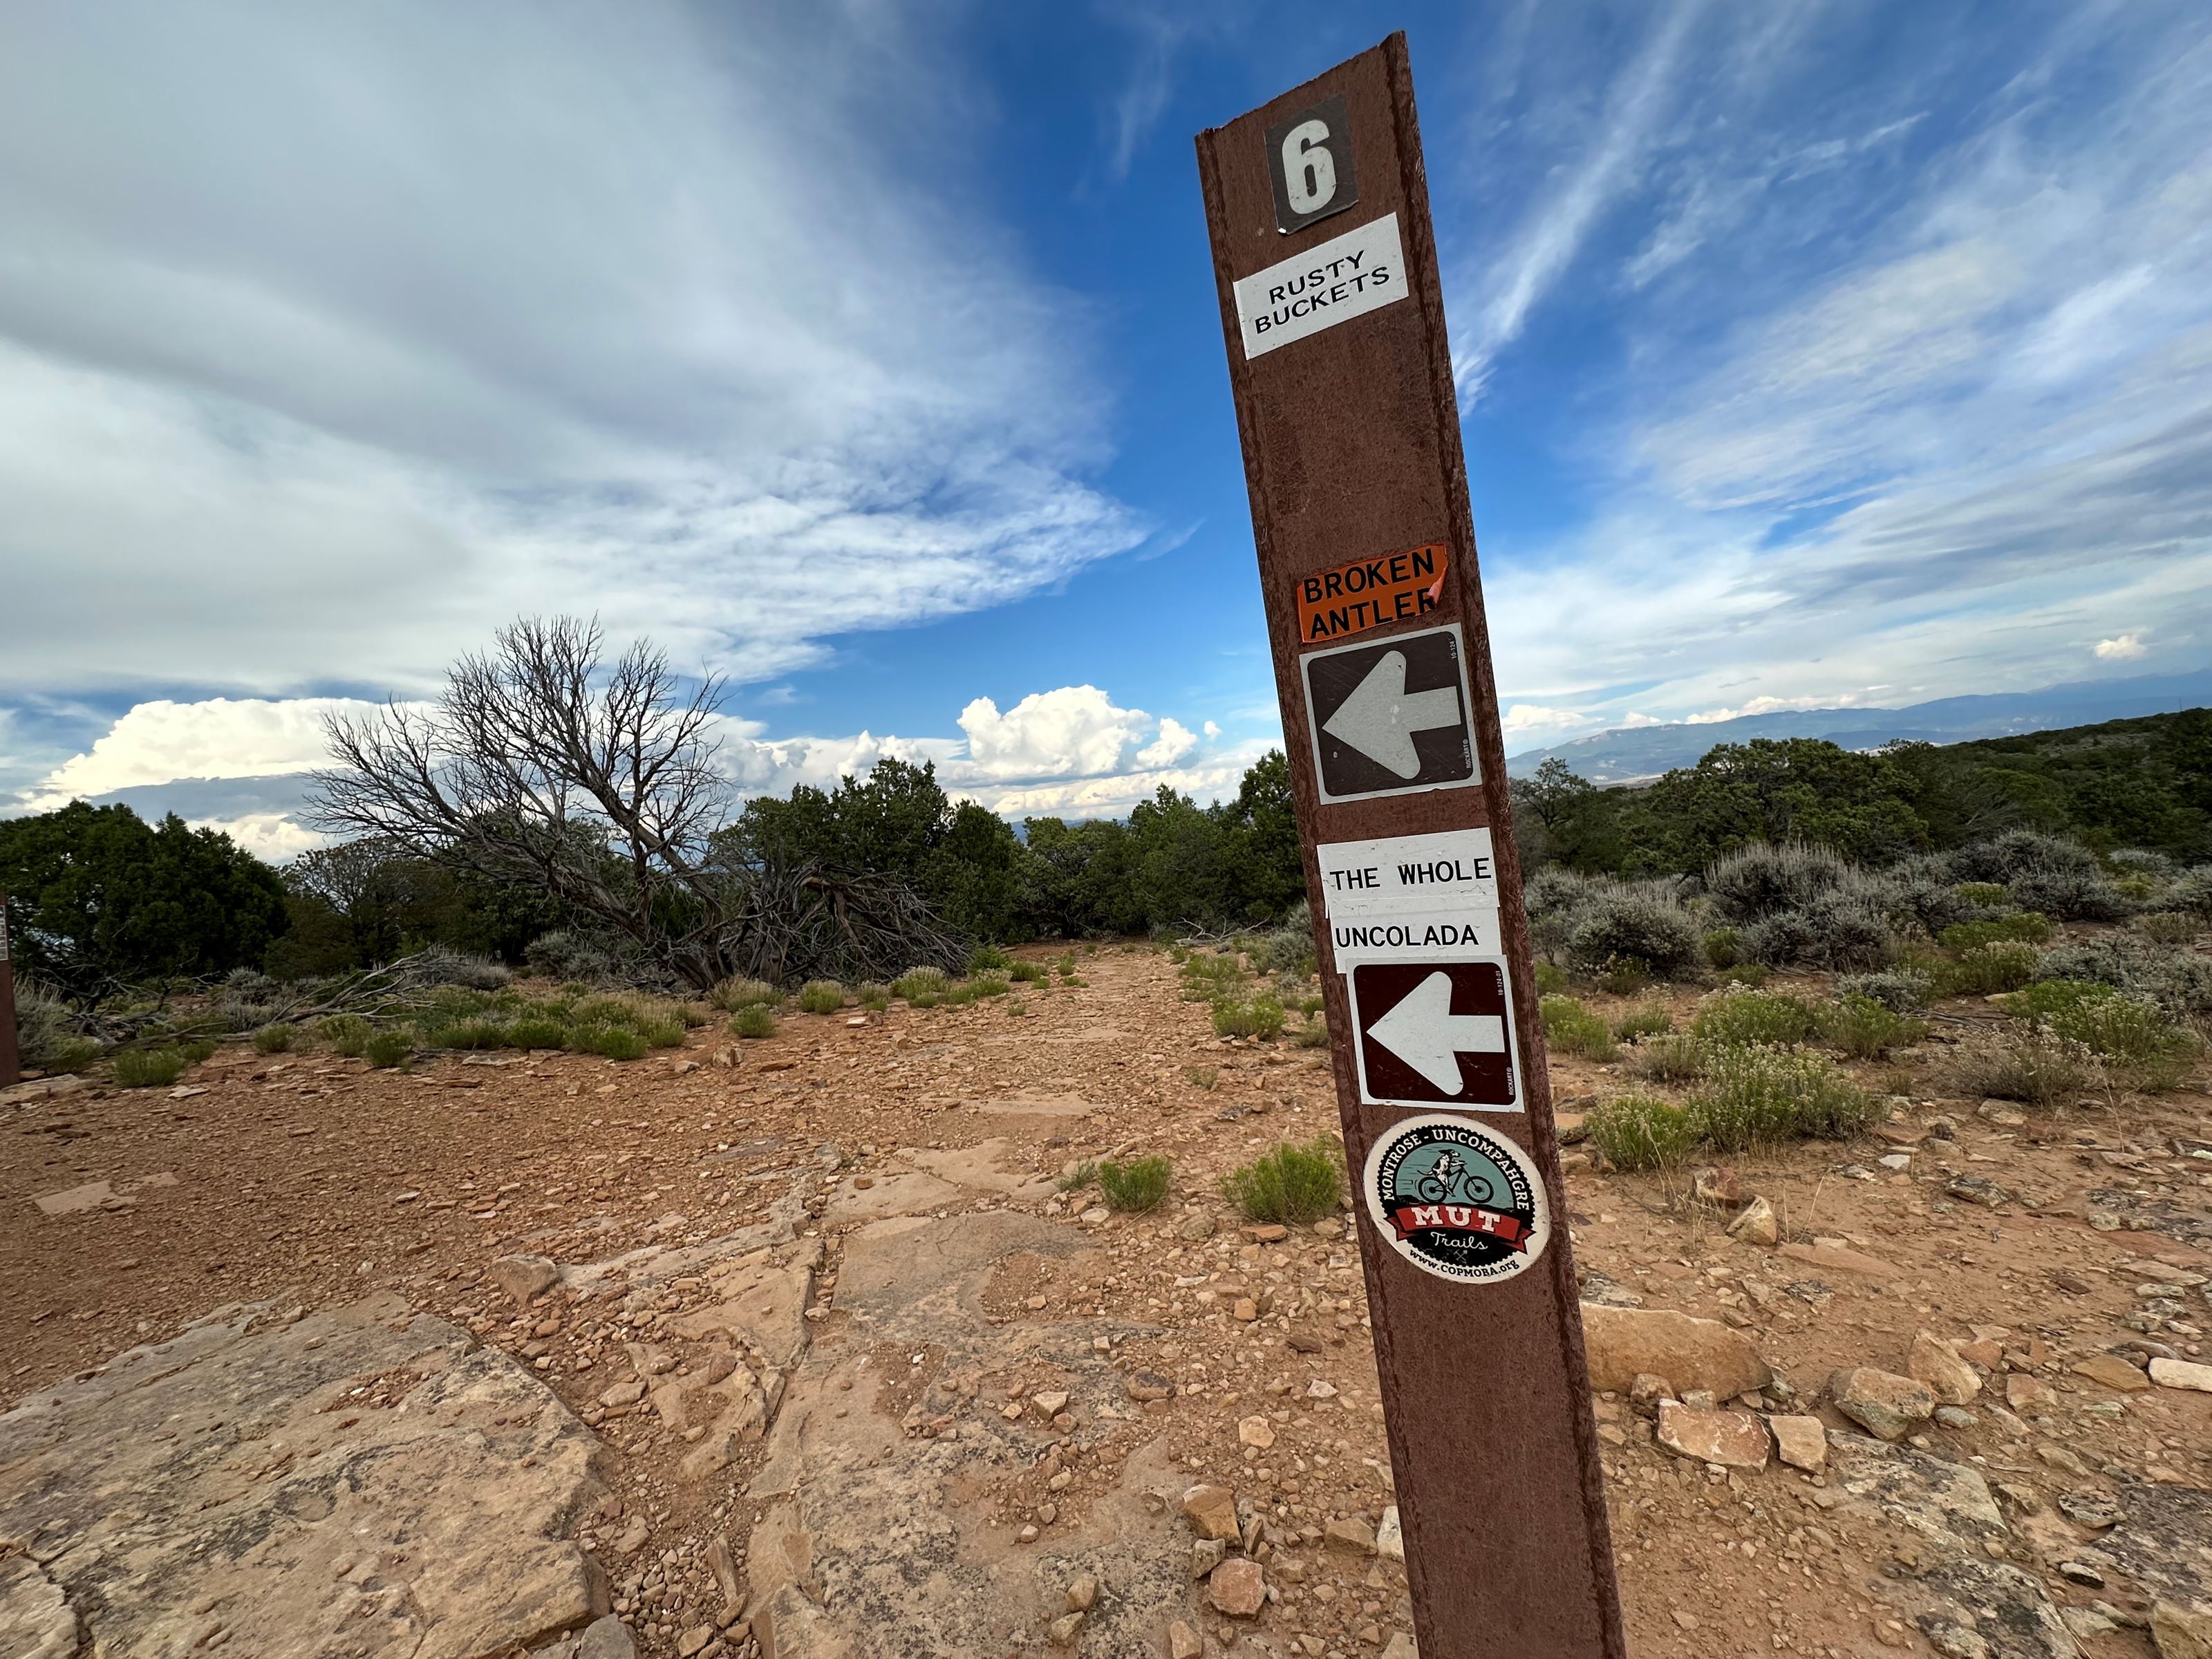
1423,1032
1379,718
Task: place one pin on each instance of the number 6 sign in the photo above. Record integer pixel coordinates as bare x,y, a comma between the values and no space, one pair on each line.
1310,160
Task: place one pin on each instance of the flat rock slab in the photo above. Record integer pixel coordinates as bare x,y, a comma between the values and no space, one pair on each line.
1035,1102
997,1165
871,1541
1624,1343
362,1482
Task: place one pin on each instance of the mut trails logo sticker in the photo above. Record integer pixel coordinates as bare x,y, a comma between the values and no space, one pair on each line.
1456,1200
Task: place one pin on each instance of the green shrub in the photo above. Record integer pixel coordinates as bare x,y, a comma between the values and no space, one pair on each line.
1260,1017
1292,1184
2030,925
666,1033
1621,976
2072,895
2034,1066
1983,892
1314,1034
1865,1029
1632,933
959,993
989,985
149,1068
1203,1077
387,1049
1744,973
1741,1016
1135,1187
1030,973
1757,1095
2190,893
1078,1177
347,1034
1765,878
1207,975
917,983
2123,1026
2004,964
874,998
1573,1029
536,1032
755,1020
1641,1132
821,996
467,1034
1669,1057
1648,1019
1550,977
1843,930
610,1041
46,1034
1723,947
734,993
1902,991
989,959
2171,927
273,1040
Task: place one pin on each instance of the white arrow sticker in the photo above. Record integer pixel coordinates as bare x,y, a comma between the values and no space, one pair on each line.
1423,1032
1380,717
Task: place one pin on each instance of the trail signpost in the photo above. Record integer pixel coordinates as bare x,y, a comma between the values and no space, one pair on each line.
1332,316
11,1065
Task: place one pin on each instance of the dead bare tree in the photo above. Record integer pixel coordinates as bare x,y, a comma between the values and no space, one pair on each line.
542,766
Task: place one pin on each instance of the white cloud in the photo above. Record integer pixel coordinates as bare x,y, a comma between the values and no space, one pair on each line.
1171,746
2121,648
1074,731
161,741
273,838
679,317
1528,718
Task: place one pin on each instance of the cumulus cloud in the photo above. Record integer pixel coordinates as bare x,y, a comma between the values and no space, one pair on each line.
325,336
161,741
2121,648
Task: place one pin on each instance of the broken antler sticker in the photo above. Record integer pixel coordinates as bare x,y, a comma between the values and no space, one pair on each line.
1456,1200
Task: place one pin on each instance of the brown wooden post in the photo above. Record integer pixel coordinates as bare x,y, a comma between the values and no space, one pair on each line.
1331,308
11,1059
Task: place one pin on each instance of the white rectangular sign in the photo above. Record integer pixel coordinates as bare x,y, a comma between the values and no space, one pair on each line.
1346,276
1412,898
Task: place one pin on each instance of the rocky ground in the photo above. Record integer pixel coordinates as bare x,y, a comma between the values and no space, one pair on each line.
795,1346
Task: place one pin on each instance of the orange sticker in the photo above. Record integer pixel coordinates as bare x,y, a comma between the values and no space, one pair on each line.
1368,593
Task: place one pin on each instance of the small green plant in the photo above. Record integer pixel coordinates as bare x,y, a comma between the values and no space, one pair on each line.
1743,1015
2034,1066
1622,976
347,1034
1983,892
388,1049
1260,1017
1314,1034
2171,927
1205,1077
536,1032
1900,990
989,959
1136,1186
2004,964
1292,1184
1207,975
1864,1030
1670,1057
821,996
1075,980
1573,1029
2027,925
1550,977
1647,1019
923,987
1751,974
609,1041
467,1034
755,1020
1723,947
1030,973
874,998
1757,1095
1065,962
1078,1177
149,1068
732,994
274,1040
990,985
2112,1025
959,993
1642,1132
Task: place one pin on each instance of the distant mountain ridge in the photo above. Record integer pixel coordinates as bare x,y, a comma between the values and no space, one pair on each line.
1621,757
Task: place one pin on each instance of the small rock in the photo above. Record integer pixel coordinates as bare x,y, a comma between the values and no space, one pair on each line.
1212,1512
1645,1391
1733,1440
1955,1417
623,1393
1195,1226
1265,1232
1757,1225
1205,1554
2181,1374
1237,1588
1051,1403
1255,1432
1402,1646
1883,1403
1246,1310
2093,1510
1716,1185
2080,1572
2181,1631
2112,1373
1062,1631
1390,1536
525,1277
1183,1642
606,1637
1028,1534
2025,1394
1083,1592
1936,1362
1799,1442
1350,1535
694,1639
1696,1353
1148,1386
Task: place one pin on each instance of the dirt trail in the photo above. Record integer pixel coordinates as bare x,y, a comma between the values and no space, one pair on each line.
862,1380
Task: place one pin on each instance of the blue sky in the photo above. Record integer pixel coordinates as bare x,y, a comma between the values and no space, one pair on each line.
1808,355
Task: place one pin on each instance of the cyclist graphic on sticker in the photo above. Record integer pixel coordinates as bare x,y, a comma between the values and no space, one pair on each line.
1455,1198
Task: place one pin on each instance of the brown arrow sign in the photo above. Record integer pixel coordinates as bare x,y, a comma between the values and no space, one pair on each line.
1332,316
